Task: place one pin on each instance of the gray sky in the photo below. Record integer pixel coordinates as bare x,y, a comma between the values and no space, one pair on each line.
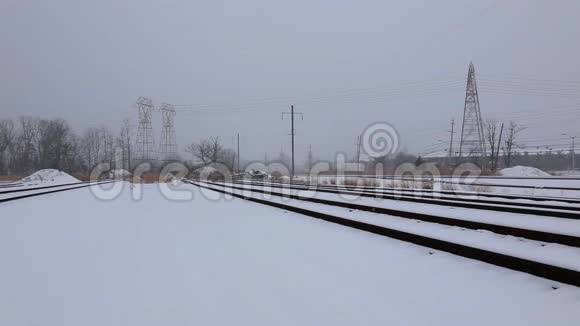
237,64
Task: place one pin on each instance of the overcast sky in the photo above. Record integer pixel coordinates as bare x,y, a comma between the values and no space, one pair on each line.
235,65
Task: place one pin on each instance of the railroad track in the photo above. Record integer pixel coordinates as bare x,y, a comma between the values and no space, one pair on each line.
33,193
421,192
42,187
569,212
443,177
450,181
535,267
432,218
10,185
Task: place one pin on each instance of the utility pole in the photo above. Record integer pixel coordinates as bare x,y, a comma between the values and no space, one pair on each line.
573,154
292,133
310,158
238,153
358,144
452,131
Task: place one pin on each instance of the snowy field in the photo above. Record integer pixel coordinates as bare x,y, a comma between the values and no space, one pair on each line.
71,259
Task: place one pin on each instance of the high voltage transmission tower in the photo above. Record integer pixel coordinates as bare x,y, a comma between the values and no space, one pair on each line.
167,144
145,143
472,138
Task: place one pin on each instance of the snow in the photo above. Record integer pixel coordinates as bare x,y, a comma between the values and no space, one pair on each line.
523,171
531,222
119,174
553,254
49,177
72,259
206,170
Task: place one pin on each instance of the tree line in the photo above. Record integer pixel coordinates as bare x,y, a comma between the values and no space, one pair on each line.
28,144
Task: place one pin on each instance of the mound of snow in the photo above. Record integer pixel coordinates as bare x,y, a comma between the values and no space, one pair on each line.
49,176
523,171
206,170
257,174
119,174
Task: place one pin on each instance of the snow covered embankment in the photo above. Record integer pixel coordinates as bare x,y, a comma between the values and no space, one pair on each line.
523,171
49,177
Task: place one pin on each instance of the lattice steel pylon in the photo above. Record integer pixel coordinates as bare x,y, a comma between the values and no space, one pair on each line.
167,144
145,143
472,138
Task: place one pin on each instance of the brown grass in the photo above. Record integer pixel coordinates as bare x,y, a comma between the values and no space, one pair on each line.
7,178
149,178
361,182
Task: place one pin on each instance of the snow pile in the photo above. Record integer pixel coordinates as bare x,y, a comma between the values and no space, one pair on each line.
206,170
49,176
257,174
209,173
523,171
119,174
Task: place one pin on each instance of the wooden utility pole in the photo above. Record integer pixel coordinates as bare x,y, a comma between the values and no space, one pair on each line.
292,133
451,140
358,145
309,158
238,169
573,152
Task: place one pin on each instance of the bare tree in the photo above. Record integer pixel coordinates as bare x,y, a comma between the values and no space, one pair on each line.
107,139
92,147
211,150
207,151
124,142
491,135
23,152
510,143
71,160
52,143
229,157
6,140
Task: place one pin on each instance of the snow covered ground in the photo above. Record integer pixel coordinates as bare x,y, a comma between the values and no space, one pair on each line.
72,259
